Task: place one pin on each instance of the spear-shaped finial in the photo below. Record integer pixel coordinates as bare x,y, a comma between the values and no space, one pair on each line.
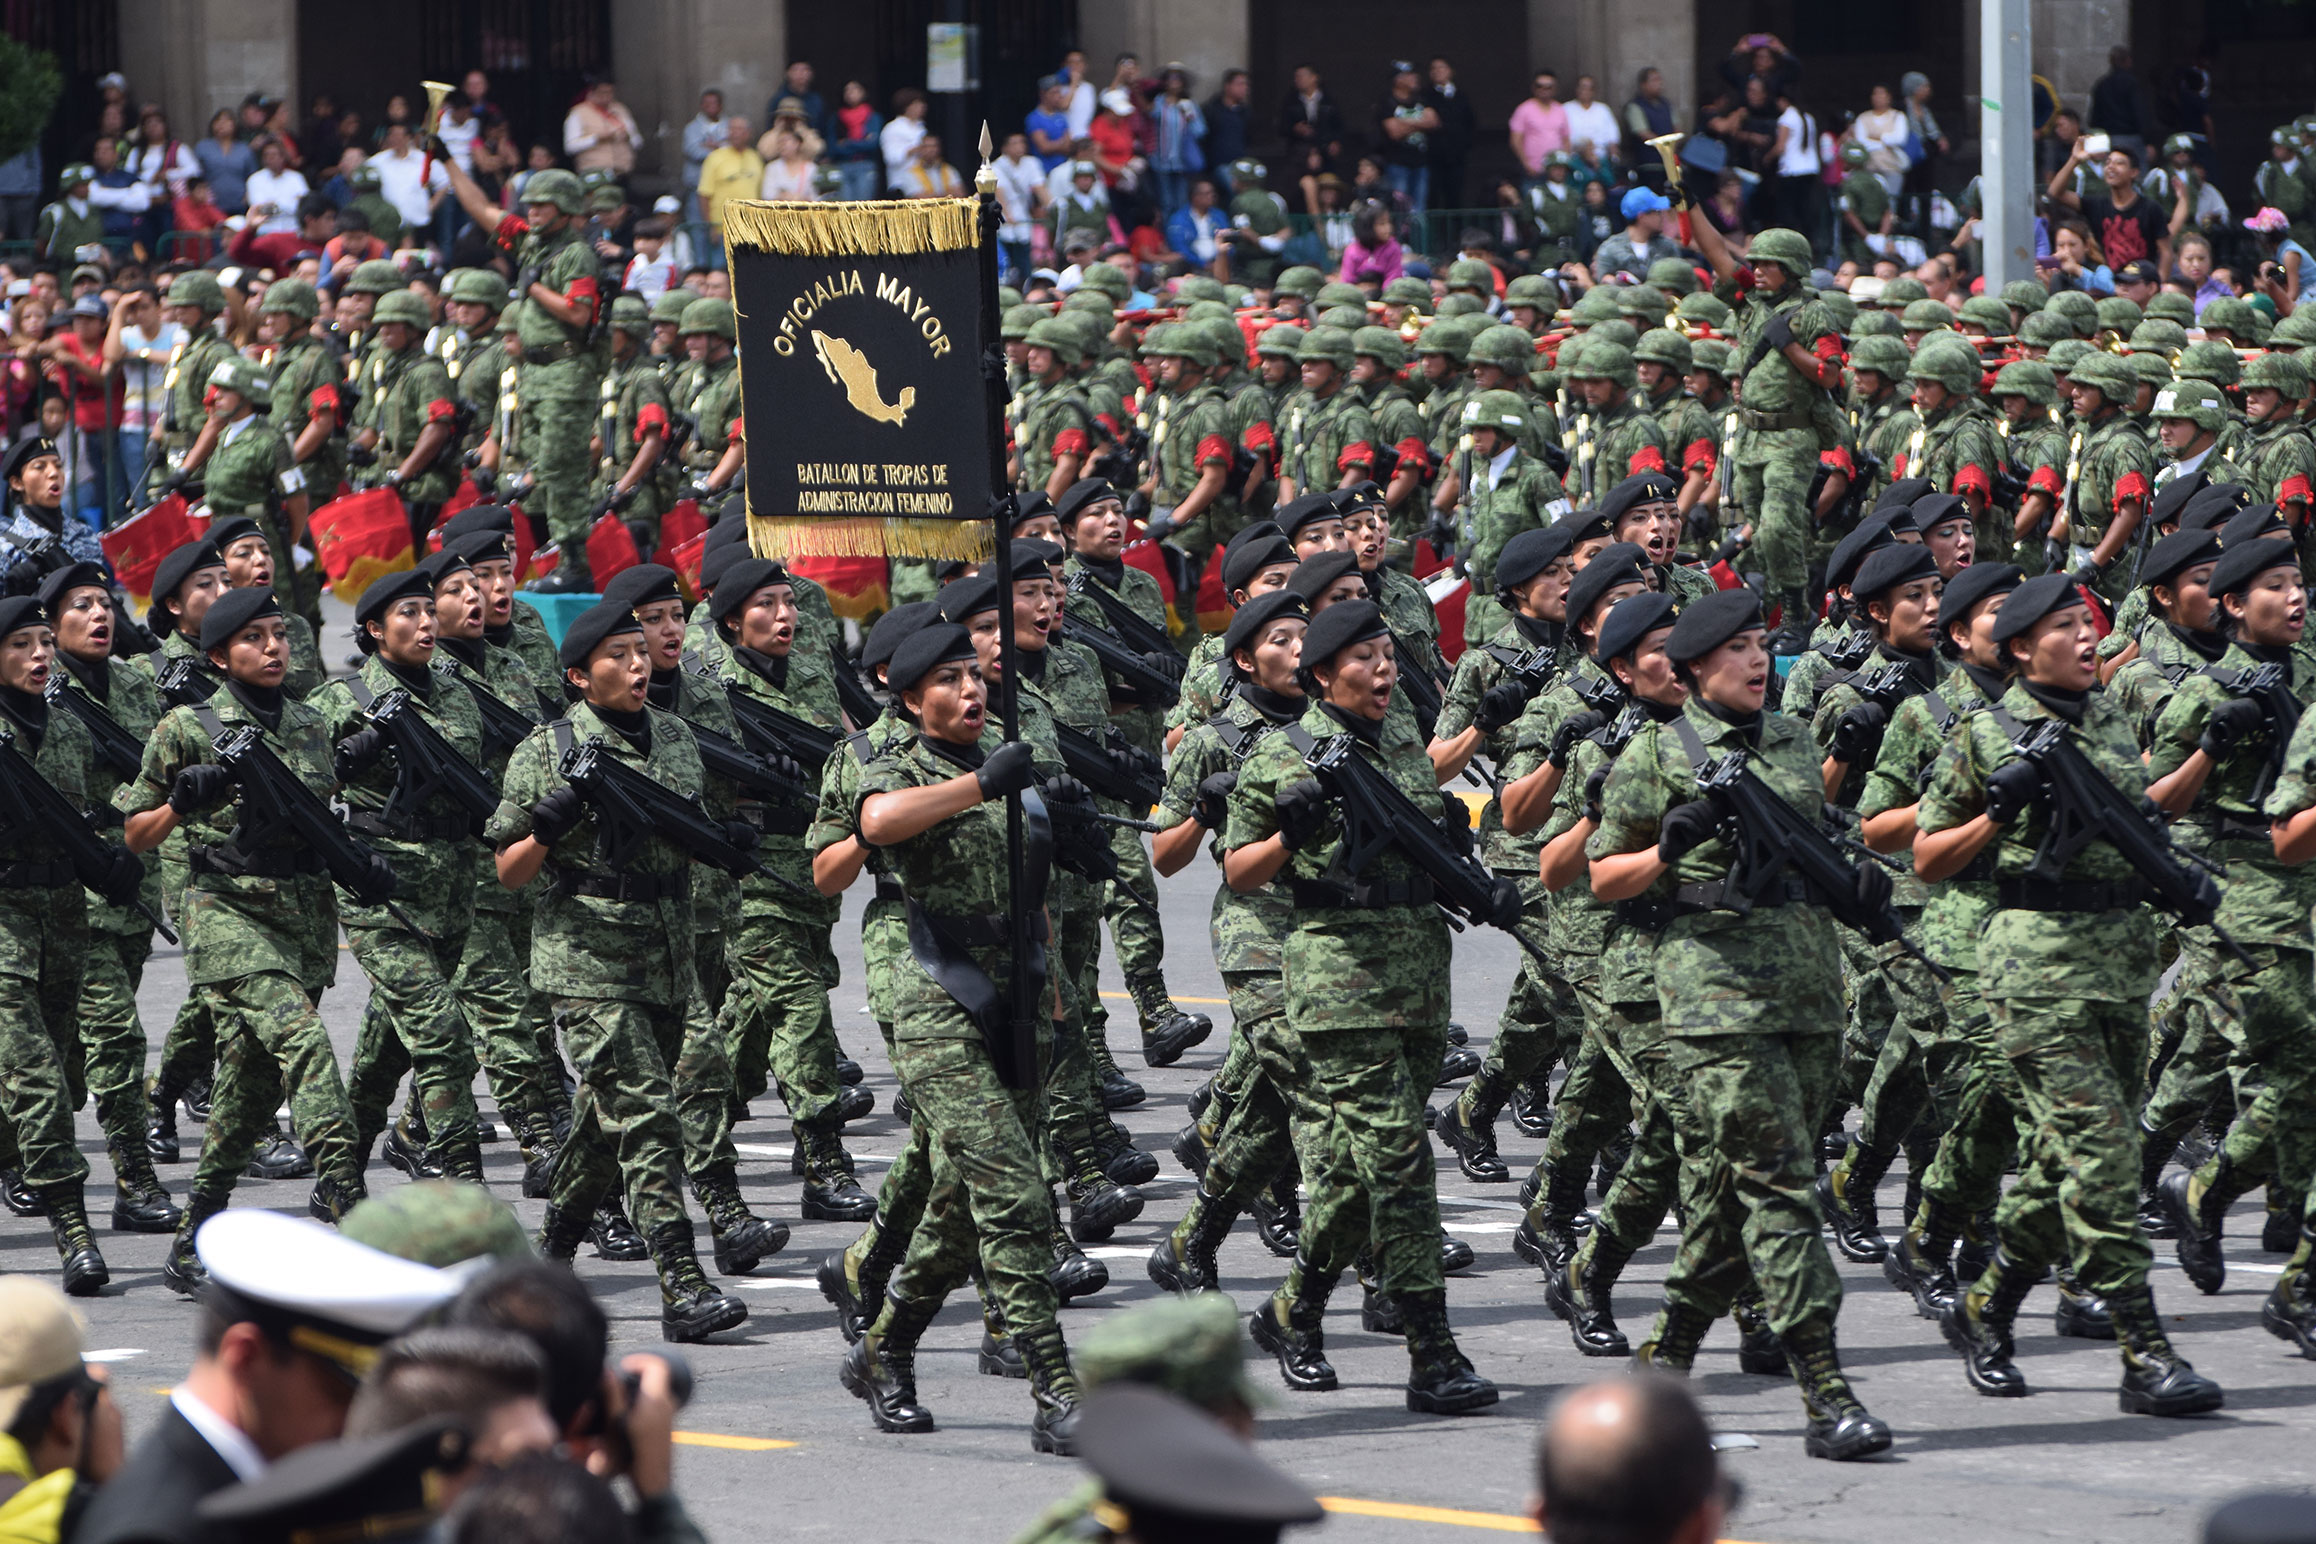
985,180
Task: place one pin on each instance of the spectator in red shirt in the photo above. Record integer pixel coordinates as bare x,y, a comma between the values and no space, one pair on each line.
353,244
78,370
194,214
317,226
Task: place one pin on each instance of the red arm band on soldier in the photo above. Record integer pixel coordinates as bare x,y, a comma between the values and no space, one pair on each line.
512,229
1071,442
441,411
1973,479
2047,480
739,429
2295,489
1701,454
1259,438
1215,447
583,292
1357,453
1109,426
1646,459
1839,459
649,417
324,400
2131,485
1828,347
1413,452
1898,466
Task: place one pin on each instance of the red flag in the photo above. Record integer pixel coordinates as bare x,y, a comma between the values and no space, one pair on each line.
677,526
685,560
136,546
1145,555
466,497
1213,605
1427,562
858,587
360,539
610,549
1449,597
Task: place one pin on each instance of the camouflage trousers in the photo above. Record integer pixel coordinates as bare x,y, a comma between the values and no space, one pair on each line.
1753,1103
1774,471
987,1203
776,1016
1135,934
1599,1096
112,1037
900,1197
555,437
706,1103
413,1023
273,1041
43,938
1278,1118
189,1051
1380,1190
624,1131
1542,1019
1982,1138
1659,1169
2267,1011
1916,1070
2189,1073
514,1032
1885,991
1074,1113
2080,1063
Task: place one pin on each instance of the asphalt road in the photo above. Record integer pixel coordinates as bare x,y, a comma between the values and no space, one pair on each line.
775,1448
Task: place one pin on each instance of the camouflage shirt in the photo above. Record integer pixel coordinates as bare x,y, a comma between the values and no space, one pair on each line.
785,850
1479,670
1625,443
307,378
1249,932
1920,730
133,704
1052,421
634,403
403,395
569,266
1321,440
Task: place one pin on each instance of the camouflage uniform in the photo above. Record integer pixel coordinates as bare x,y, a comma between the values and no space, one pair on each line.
1520,495
402,396
44,941
250,473
306,377
558,378
1778,455
1625,443
1051,421
186,383
1197,432
634,400
2115,465
1321,439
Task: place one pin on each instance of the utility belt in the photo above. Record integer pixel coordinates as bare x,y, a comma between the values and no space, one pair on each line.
1979,870
1799,418
889,889
978,930
28,875
2062,895
632,889
411,828
1688,900
783,820
1318,895
2223,828
231,862
552,353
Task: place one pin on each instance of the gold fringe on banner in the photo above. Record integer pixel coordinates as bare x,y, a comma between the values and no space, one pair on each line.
877,228
804,536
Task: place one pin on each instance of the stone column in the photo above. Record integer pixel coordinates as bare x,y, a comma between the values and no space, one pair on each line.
1613,43
195,56
1206,37
2071,42
669,53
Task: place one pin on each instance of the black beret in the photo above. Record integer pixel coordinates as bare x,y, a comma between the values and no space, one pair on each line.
891,628
1530,553
1249,534
233,611
1307,510
1033,550
1933,509
1340,626
1258,614
1710,621
224,533
2239,565
1027,506
439,565
1851,550
726,533
375,602
1629,621
481,547
478,517
1617,563
968,598
1081,493
928,646
1244,561
1583,524
2032,601
1316,574
1885,568
646,584
24,451
1362,494
1644,488
72,576
2257,523
607,618
2172,499
740,582
175,568
945,573
1902,493
1974,584
2182,549
21,611
714,565
2214,505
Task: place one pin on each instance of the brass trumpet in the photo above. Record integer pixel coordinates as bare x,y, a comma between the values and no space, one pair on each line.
1667,147
436,93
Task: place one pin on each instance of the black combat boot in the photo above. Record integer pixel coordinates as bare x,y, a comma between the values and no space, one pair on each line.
2280,1228
197,1096
1919,1266
1193,1146
1456,1063
18,1197
278,1156
1290,1325
1977,1323
571,577
1073,1274
1378,1310
831,1194
853,1279
1115,1090
1549,1234
1098,1208
1673,1340
1055,1388
1121,1160
333,1196
1455,1255
998,1357
84,1268
614,1236
741,1238
535,1131
881,1367
161,1143
690,1308
1760,1350
1579,1292
2156,1379
1846,1193
1468,1129
2199,1212
406,1146
1612,1160
1839,1427
2082,1313
1975,1253
1278,1215
1532,1107
1184,1261
854,1102
2290,1311
1792,637
848,1071
182,1272
562,1231
1167,1031
1440,1381
140,1204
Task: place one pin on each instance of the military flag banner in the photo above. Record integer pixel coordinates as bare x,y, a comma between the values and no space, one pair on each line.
861,377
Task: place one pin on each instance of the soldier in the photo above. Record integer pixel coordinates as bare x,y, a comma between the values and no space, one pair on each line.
1326,439
37,539
507,625
2033,447
1882,421
1192,449
1405,603
2175,631
2065,967
1843,640
2190,416
310,408
254,481
1661,362
2288,1313
1378,357
1625,439
1644,510
195,301
612,945
717,446
408,420
261,923
2112,475
632,430
558,308
1371,1051
1748,1003
1053,429
667,336
472,301
1511,492
1257,561
79,602
1953,443
2279,456
249,562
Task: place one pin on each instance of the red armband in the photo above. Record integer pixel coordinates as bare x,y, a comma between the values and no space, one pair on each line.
1973,479
323,400
739,429
1839,459
651,418
1260,439
1898,466
1109,426
584,292
2131,485
1828,348
2295,489
1215,447
1413,452
1357,453
2047,481
441,411
1071,442
1646,459
1701,454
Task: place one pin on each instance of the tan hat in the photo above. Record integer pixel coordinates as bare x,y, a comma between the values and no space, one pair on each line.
40,1340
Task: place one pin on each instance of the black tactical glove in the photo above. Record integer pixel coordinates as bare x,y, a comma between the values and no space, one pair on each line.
202,786
1685,828
789,767
1874,888
172,483
1303,809
1592,787
1213,806
1499,705
619,501
124,873
2234,723
557,815
524,279
1858,731
359,752
1779,333
377,882
1063,789
1160,525
1163,662
1504,904
1007,770
486,483
2011,789
1572,729
1455,818
2088,575
742,835
361,455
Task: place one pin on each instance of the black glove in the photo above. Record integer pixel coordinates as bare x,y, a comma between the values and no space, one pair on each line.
377,881
2087,576
361,455
1455,819
1779,333
1064,789
170,484
1213,806
1858,731
202,786
742,835
1007,770
619,501
486,483
1164,662
1874,888
359,752
1572,729
1303,809
1160,525
1685,828
2011,789
1504,904
1499,705
557,815
2234,723
524,279
1592,786
124,873
788,767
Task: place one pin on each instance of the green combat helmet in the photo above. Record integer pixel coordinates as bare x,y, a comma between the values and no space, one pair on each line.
1876,323
1987,312
1534,291
1109,281
1644,306
1594,306
439,1222
375,277
557,188
1711,355
1703,308
1881,353
1663,346
1007,295
1205,311
1444,337
1282,342
1925,316
2108,375
1188,1346
1674,277
1181,340
1052,332
1508,348
402,306
1408,292
1331,344
294,296
1349,318
630,315
1469,273
2024,296
1901,292
199,287
2171,307
2065,354
2295,331
1301,281
2208,359
1788,249
2045,328
2080,310
243,376
1197,286
1336,293
1094,298
2198,401
2118,314
2028,378
1381,344
477,287
2152,368
1016,323
1615,330
713,317
2230,315
1229,343
1603,360
670,306
1502,410
1838,305
1461,303
2157,336
1952,364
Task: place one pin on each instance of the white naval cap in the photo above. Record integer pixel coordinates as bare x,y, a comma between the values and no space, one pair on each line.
330,1295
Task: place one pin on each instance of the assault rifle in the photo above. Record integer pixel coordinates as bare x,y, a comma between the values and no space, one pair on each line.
1112,768
1133,671
2271,687
852,694
1423,693
744,769
1134,632
182,685
1080,847
425,764
505,726
118,749
275,802
1377,815
1626,715
631,809
31,806
1885,688
767,730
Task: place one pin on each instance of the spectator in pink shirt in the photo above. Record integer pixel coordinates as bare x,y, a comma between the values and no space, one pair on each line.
1374,257
1539,125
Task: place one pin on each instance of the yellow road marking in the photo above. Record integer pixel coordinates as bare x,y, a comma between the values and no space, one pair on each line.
717,1439
1397,1511
1124,997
